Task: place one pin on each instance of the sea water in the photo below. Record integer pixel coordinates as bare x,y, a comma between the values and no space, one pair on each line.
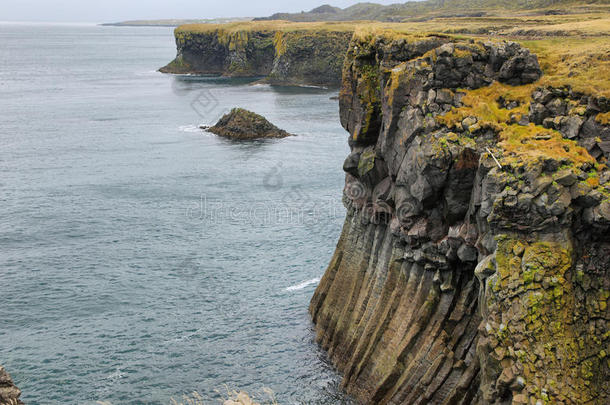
142,258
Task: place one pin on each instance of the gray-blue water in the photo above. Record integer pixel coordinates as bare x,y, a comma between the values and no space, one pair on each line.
141,258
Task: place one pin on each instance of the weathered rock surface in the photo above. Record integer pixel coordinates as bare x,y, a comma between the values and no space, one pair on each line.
473,266
244,124
296,57
9,393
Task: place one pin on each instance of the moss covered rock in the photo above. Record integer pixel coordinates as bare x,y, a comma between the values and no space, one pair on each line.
244,124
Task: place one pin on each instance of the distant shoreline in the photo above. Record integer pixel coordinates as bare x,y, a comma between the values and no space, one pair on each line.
172,22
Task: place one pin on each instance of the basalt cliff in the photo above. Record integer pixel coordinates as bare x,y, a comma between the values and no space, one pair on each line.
473,266
283,54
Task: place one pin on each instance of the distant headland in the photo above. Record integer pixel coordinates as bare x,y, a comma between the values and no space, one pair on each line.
174,22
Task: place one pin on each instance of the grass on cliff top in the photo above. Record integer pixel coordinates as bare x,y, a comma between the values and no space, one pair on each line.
573,48
591,21
270,26
582,63
520,144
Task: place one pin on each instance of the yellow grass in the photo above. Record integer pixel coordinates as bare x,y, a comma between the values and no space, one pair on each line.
482,103
519,143
603,118
573,48
269,26
583,63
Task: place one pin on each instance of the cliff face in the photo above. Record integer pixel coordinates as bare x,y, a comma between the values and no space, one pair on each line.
302,57
473,266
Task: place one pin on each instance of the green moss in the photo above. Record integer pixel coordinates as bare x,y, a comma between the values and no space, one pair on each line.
368,92
366,162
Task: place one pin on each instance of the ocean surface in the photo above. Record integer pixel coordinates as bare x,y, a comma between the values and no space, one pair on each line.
142,258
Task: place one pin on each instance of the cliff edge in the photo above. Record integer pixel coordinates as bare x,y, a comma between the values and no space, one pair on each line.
473,266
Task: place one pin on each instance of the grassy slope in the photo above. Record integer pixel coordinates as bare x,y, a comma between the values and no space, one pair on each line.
428,8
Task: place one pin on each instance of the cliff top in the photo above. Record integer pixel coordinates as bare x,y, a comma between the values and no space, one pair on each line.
572,46
593,20
267,26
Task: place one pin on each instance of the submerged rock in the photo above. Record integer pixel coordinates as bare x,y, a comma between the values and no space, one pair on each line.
244,124
9,393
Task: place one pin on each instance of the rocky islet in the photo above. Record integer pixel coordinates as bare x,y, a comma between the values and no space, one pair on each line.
241,124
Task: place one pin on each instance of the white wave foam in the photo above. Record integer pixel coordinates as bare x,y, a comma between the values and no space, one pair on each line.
190,128
311,86
303,284
116,375
148,73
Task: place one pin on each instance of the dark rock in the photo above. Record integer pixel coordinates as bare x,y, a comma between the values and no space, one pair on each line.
571,127
557,107
467,253
566,177
521,68
351,163
581,194
243,124
538,112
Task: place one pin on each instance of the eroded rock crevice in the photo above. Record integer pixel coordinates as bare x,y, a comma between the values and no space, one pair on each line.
473,264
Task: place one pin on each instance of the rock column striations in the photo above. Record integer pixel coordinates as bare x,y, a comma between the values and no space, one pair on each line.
473,263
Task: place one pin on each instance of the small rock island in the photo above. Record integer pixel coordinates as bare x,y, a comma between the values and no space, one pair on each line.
243,124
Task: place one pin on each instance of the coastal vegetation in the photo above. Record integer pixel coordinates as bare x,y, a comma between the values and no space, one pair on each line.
423,10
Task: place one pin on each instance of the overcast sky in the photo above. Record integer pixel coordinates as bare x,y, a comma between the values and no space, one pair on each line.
119,10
